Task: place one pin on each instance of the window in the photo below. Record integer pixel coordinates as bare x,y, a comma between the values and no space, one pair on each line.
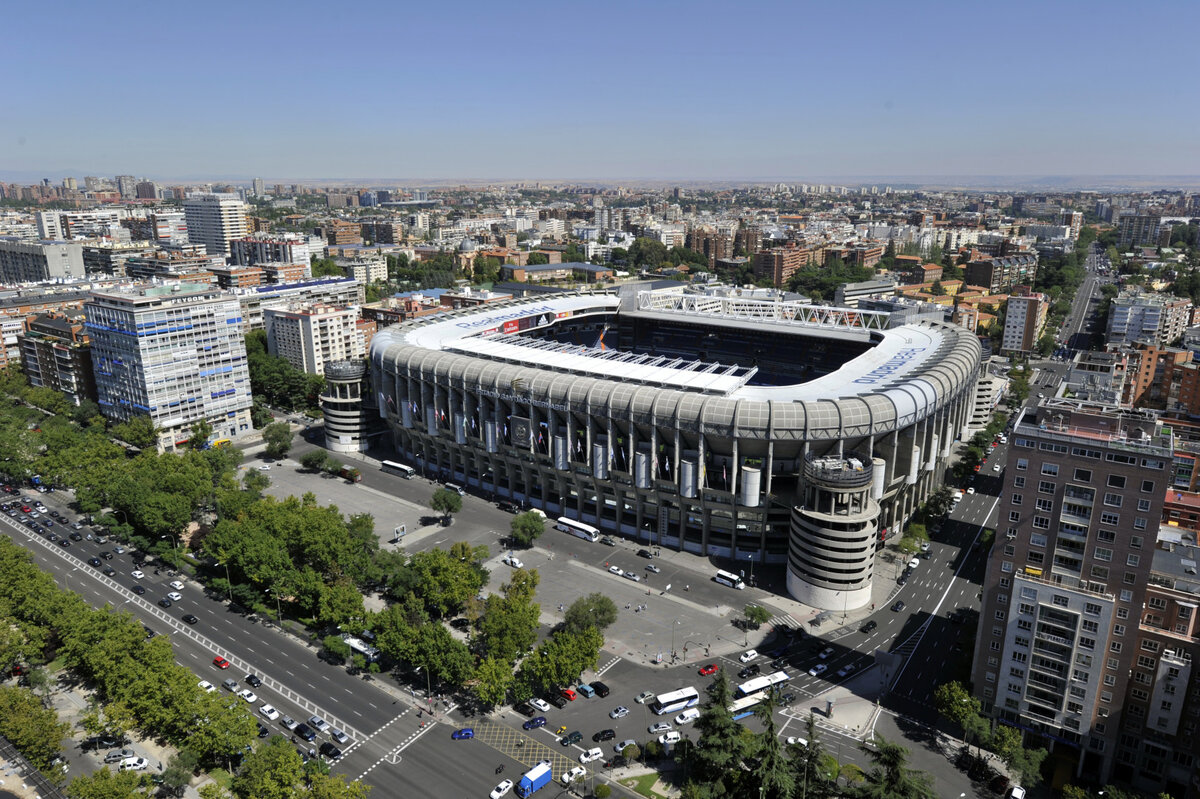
1129,578
1107,536
1102,554
1021,640
1022,464
1149,645
1077,692
1013,688
1015,672
1118,629
1017,499
1014,516
1100,572
1018,482
1037,540
1146,662
1110,680
1090,626
1148,486
1115,647
1185,612
1005,582
1126,596
1050,469
1019,657
1045,487
1045,505
1110,518
1009,550
1165,705
1025,608
1113,500
1079,674
1132,560
994,646
1138,694
1036,557
1135,542
1092,609
1000,615
1116,481
1061,600
1122,613
1139,523
1087,643
1041,522
1083,475
1006,567
1143,505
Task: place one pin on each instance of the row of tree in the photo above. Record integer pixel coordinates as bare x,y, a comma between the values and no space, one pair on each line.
276,381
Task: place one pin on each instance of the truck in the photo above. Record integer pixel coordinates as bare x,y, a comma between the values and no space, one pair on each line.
350,474
537,777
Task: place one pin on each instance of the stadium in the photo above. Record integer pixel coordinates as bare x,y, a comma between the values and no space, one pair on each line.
746,430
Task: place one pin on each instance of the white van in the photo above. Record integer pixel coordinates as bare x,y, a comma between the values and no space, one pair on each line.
456,488
687,716
958,495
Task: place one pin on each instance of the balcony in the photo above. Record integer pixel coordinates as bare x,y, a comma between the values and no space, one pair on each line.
1083,496
1042,634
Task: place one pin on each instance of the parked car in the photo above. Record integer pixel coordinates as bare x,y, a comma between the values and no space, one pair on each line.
600,688
534,723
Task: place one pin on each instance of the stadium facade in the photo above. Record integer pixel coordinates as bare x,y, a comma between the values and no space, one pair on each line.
745,429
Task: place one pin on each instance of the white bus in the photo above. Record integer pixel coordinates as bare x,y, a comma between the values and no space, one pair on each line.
763,683
744,707
391,467
675,701
731,580
584,531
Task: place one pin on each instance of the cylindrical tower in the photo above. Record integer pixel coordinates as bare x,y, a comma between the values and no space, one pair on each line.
831,553
345,405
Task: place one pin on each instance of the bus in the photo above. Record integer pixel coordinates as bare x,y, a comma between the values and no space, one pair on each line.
584,531
675,701
731,580
759,684
222,443
391,467
744,707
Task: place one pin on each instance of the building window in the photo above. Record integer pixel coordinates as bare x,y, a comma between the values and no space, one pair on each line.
1110,518
1006,567
1087,643
1014,516
1143,505
1118,629
1046,487
1018,482
1021,640
1129,578
1000,615
1061,600
1099,572
1146,662
1045,505
1185,612
997,631
1009,550
1138,694
1050,469
1108,536
994,646
1139,523
1090,626
1149,645
1002,599
1132,560
1017,499
1110,680
1092,609
1148,486
1135,542
1037,540
1025,608
1022,464
1112,500
1005,582
1036,558
1115,647
1116,481
1102,554
1126,596
1083,475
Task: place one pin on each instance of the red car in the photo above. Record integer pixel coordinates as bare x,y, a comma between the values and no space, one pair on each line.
568,694
220,662
711,668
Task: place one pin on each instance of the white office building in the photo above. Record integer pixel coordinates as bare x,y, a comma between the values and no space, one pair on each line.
310,337
214,220
23,261
172,352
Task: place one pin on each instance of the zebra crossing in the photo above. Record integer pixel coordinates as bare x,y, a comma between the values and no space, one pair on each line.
784,620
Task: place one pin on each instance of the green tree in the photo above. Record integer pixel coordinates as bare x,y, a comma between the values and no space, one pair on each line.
602,791
106,784
139,431
273,771
445,581
756,615
335,786
527,527
278,438
30,726
508,623
772,771
314,460
336,649
716,760
956,704
815,771
648,253
493,676
446,502
890,777
595,610
537,259
201,434
937,289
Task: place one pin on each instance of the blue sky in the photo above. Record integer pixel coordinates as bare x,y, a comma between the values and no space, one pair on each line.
558,90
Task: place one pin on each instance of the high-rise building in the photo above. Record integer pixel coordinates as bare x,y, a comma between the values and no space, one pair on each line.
1024,321
310,337
270,249
1139,230
49,225
1138,316
174,352
260,187
1002,273
147,190
55,354
1057,653
214,220
1073,220
34,261
127,186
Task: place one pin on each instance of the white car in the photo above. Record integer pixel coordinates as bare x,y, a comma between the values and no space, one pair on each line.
970,489
134,764
540,704
264,468
914,563
338,735
137,574
748,655
826,652
205,685
796,740
249,696
618,712
513,561
817,670
268,712
502,789
659,728
578,772
673,737
617,570
319,724
924,546
995,467
592,754
178,586
637,578
174,596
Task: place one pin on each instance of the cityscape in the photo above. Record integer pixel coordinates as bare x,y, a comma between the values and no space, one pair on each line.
531,437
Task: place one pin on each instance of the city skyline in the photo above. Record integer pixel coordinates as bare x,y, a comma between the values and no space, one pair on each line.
542,92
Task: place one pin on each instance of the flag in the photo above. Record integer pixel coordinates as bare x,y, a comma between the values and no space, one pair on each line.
725,474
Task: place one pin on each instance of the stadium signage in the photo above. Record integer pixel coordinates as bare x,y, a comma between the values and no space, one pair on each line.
888,368
495,319
554,406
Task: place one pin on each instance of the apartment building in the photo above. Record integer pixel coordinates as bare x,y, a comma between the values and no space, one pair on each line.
364,270
1001,273
1135,315
1066,578
215,220
309,337
23,261
56,354
1140,230
174,352
266,248
336,291
780,263
1024,321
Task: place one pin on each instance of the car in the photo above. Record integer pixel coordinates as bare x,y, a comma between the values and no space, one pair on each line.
749,671
623,745
511,507
174,596
594,753
121,551
268,712
205,685
645,553
134,764
995,467
263,730
659,728
618,712
914,563
137,589
501,790
230,685
617,570
672,737
600,688
576,773
573,737
786,700
924,546
899,606
650,567
248,695
868,627
178,586
288,723
106,555
540,704
534,723
818,670
604,735
64,543
524,708
748,655
796,740
319,724
709,669
308,733
164,603
338,735
779,663
514,561
608,541
94,562
220,662
568,694
1041,395
189,618
264,467
1016,792
902,579
970,489
464,734
585,690
253,681
117,755
847,670
637,578
644,697
329,751
826,652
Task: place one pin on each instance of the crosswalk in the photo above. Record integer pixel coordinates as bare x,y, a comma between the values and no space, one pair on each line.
783,621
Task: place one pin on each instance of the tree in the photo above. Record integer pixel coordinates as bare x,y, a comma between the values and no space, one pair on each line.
335,786
32,728
937,289
715,762
956,704
106,784
446,502
816,771
314,460
508,623
756,616
278,437
493,676
890,777
139,431
336,648
772,773
649,253
595,610
537,259
256,482
1009,744
602,791
201,433
273,771
526,528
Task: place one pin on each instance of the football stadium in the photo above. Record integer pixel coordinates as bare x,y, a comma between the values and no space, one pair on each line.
746,430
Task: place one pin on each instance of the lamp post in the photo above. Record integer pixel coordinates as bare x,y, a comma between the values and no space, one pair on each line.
278,612
228,580
175,545
750,557
674,624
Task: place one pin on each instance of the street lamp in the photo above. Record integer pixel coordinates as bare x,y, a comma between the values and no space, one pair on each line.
750,557
228,580
674,623
174,544
278,612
